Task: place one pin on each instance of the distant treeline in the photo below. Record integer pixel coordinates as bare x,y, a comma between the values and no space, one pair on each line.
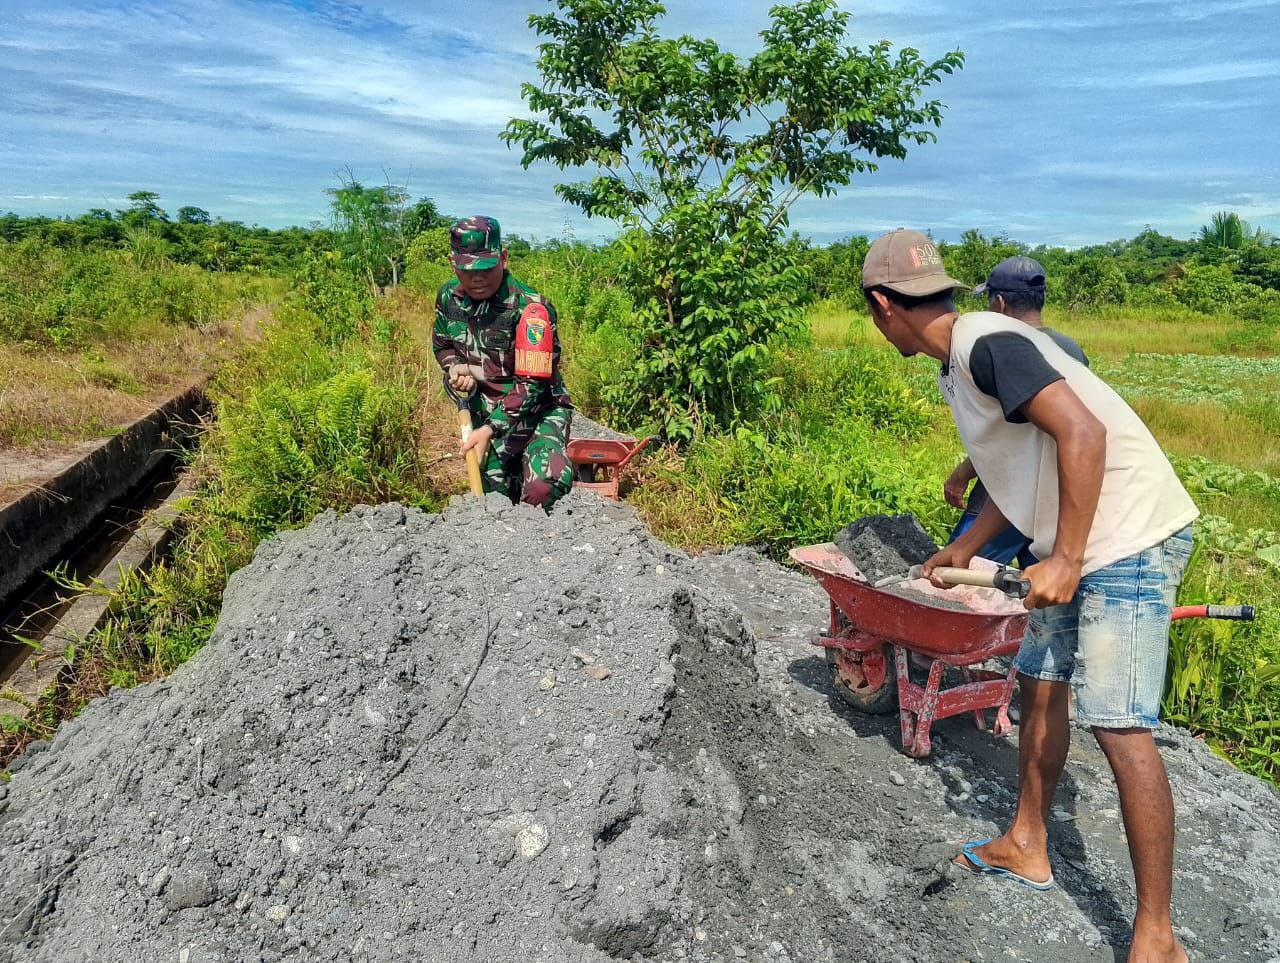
1227,269
369,224
192,236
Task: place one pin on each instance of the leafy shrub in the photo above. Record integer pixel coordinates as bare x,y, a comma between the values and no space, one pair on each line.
1264,305
595,357
1211,288
330,300
851,438
290,452
1093,282
427,261
1224,677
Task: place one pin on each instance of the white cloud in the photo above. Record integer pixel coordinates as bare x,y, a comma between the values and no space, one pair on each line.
1069,122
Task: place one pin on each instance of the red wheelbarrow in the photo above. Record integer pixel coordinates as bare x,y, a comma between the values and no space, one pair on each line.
599,454
869,626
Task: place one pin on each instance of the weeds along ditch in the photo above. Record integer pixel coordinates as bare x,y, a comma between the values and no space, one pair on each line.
322,412
326,411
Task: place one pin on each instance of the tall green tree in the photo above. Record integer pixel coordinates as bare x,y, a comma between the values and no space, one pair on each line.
370,225
144,209
190,214
423,215
973,258
1227,235
699,154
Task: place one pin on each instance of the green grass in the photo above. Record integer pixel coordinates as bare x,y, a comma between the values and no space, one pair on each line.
90,339
67,299
1110,334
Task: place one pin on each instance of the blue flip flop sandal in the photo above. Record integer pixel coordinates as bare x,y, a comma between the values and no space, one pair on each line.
982,868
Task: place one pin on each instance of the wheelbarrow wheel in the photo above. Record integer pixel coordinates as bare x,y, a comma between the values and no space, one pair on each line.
864,681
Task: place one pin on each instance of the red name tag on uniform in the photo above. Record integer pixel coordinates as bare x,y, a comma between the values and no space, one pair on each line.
534,342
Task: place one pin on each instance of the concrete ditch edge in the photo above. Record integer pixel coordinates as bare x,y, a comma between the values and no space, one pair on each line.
46,668
37,528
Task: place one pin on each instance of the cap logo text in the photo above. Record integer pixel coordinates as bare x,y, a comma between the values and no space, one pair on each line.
925,255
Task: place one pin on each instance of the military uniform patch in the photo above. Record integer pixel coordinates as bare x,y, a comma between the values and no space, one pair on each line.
533,347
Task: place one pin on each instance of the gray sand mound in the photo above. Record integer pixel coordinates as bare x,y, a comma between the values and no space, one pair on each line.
494,735
423,738
583,427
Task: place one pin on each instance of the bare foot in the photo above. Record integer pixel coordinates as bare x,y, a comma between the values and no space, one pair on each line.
1028,860
1155,945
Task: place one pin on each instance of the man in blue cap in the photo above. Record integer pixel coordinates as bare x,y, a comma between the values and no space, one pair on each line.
1015,288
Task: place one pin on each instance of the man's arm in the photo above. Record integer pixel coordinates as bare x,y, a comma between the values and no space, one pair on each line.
957,483
989,523
1082,455
445,348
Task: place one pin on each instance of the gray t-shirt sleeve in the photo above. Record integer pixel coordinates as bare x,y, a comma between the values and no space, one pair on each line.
1011,369
1068,344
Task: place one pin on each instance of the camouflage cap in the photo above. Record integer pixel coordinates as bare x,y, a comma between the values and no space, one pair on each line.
906,262
475,243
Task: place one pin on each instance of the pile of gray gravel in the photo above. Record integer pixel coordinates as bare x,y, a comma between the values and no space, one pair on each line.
416,737
582,427
499,736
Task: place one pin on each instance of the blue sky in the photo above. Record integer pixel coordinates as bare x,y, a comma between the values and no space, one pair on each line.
1073,122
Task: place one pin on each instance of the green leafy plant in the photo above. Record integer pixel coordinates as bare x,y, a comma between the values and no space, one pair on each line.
699,154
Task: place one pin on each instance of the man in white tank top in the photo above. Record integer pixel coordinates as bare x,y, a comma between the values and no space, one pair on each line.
1068,463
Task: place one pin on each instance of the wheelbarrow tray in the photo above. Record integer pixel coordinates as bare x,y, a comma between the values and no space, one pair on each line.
609,450
870,627
990,622
599,454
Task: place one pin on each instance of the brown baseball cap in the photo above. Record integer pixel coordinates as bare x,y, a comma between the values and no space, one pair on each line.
906,262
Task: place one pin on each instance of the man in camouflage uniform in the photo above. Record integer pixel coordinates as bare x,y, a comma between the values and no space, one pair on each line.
520,422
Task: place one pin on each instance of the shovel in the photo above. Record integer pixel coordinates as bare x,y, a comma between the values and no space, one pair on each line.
464,429
1007,580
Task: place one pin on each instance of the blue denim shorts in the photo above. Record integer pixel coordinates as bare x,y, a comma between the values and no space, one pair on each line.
1111,641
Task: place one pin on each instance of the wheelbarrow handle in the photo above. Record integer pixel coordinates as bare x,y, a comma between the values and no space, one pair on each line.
1234,613
635,451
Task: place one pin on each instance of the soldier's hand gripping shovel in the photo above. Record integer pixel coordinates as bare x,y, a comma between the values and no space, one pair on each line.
464,429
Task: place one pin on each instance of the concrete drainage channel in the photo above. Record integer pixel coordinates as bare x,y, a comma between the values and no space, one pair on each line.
109,513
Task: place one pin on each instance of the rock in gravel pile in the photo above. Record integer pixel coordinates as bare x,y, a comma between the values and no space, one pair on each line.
493,735
885,545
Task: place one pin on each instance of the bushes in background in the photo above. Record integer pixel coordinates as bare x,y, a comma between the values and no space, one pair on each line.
65,298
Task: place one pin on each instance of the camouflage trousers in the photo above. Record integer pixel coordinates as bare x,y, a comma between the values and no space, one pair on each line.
530,463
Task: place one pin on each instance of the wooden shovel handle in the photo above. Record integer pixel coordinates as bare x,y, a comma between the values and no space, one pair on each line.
966,576
473,457
1008,581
